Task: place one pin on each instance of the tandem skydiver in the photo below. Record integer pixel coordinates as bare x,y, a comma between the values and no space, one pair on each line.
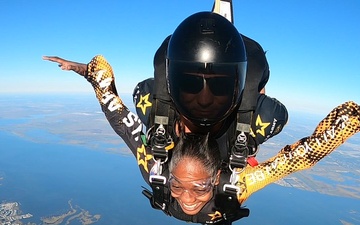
185,199
214,104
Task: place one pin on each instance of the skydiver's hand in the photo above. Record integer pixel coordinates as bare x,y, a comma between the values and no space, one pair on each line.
79,68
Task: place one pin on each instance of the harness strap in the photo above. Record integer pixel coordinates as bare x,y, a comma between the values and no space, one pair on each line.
154,196
226,197
160,134
160,193
240,151
162,119
162,116
256,76
161,142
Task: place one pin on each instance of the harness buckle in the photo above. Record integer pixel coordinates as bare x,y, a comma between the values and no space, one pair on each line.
239,152
231,189
159,142
238,157
158,179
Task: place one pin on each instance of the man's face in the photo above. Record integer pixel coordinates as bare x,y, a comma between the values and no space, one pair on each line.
206,96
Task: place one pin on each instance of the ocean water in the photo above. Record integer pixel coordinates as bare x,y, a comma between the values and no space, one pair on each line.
276,205
44,177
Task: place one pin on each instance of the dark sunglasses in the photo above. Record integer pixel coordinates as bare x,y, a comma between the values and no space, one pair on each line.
194,84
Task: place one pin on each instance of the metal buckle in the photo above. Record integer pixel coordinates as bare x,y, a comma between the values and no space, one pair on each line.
157,178
230,188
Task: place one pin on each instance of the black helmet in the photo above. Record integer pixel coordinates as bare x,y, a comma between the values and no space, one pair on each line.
206,68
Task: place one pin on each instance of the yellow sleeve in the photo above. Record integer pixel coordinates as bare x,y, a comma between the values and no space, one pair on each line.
340,124
101,77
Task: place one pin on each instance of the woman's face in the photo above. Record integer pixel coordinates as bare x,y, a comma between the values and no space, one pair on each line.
191,185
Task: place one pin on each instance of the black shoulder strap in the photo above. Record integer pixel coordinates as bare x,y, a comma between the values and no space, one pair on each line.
160,91
256,77
162,116
162,119
257,73
163,112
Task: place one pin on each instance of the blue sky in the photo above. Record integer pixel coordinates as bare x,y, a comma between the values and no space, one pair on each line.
313,47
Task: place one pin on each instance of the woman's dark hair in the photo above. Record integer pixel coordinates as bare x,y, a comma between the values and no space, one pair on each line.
198,147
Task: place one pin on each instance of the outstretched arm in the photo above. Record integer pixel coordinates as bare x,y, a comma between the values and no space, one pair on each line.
339,125
79,68
100,74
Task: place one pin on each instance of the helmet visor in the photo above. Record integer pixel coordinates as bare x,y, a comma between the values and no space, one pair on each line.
220,78
204,91
195,83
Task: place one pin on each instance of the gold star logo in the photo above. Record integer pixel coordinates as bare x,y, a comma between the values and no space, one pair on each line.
142,157
262,125
144,103
215,215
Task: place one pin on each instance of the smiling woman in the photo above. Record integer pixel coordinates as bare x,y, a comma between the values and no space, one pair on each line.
194,171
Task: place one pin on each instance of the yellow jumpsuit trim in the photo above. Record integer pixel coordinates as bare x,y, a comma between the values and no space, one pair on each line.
340,124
